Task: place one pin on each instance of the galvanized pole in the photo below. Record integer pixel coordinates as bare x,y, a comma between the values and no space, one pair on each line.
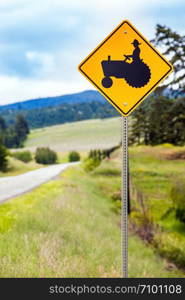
124,194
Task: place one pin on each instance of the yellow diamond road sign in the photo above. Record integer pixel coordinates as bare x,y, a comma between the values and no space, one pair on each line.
125,68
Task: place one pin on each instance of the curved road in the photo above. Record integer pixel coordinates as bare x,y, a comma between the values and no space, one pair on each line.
13,186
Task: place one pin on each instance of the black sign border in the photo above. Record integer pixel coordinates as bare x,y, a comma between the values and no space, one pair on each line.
80,68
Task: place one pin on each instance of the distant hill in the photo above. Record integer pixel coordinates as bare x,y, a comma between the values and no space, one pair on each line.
49,111
86,96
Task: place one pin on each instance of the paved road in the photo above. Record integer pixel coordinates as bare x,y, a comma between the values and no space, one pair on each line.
13,186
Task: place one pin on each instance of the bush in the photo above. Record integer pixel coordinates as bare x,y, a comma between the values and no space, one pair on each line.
90,164
3,158
178,198
24,156
45,156
74,156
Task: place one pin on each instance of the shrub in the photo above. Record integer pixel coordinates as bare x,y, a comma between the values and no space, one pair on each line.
24,156
45,156
90,164
74,156
178,198
3,158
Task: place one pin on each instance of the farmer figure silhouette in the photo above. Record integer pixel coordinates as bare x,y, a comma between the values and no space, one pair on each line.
136,53
137,74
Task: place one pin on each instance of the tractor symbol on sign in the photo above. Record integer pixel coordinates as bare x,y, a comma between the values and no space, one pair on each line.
137,74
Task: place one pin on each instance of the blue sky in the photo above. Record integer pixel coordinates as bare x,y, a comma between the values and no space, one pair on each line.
43,41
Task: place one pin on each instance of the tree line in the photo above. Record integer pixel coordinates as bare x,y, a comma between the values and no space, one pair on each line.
159,120
66,112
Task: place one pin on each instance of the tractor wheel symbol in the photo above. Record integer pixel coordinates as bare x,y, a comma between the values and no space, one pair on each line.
107,82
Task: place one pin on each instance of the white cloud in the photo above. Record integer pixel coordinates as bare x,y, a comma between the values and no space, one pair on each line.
45,40
13,89
44,62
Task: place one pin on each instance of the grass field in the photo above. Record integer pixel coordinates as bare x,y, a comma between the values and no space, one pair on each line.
64,228
68,228
81,136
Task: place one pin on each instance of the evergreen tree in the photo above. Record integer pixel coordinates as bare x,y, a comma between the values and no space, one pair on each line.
3,157
139,127
159,121
174,47
2,124
11,139
176,122
21,128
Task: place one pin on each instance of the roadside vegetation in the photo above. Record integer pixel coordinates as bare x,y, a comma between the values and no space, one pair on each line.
70,228
17,167
158,200
25,156
65,228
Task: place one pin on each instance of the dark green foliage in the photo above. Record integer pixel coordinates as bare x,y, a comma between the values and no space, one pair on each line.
178,198
102,154
13,136
2,124
45,156
107,152
21,128
95,154
3,157
159,120
24,156
10,138
74,156
67,112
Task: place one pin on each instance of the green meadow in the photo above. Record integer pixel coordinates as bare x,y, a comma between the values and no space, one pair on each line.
81,136
70,227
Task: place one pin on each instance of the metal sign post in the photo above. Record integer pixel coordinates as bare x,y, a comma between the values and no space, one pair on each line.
124,196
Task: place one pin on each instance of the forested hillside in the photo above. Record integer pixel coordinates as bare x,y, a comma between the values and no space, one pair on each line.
57,110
